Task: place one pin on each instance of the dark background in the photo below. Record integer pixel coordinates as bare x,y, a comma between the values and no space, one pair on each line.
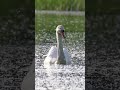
17,42
102,47
7,5
102,6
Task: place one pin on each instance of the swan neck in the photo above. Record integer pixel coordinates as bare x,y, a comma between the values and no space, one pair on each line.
59,42
60,53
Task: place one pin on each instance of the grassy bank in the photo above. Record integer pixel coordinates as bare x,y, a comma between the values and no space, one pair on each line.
68,5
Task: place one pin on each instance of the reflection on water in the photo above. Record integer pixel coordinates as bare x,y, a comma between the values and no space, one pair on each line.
67,77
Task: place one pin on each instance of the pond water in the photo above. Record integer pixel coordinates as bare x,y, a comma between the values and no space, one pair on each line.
67,77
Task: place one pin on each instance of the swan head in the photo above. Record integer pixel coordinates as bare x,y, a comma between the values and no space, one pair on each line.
60,30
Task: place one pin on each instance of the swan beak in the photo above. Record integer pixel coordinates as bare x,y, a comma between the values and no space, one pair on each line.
63,35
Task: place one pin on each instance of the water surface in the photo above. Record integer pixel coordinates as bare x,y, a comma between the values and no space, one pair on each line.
67,77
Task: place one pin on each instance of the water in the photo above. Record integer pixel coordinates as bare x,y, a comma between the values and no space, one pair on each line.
67,77
77,13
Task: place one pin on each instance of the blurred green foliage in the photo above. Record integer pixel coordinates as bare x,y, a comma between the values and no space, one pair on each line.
48,23
60,5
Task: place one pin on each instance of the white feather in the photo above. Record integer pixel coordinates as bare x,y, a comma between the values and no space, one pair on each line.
64,56
52,56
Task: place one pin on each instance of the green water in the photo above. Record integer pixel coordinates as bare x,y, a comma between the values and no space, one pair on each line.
45,27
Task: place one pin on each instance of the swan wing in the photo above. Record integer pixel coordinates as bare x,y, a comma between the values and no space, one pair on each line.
52,52
67,56
51,56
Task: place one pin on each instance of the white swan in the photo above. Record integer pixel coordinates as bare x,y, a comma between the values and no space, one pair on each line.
58,55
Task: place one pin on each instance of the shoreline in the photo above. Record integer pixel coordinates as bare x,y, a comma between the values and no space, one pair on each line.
76,13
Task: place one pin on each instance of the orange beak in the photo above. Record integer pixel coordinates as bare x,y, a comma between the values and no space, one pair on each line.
63,35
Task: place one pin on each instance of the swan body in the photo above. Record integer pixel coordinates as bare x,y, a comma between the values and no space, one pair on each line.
52,56
58,55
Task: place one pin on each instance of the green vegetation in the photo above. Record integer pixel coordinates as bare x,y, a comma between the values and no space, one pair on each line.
49,22
60,5
45,25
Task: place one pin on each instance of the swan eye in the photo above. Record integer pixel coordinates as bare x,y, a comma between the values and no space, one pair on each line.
62,30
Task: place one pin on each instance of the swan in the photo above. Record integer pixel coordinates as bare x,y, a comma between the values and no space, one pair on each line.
58,54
